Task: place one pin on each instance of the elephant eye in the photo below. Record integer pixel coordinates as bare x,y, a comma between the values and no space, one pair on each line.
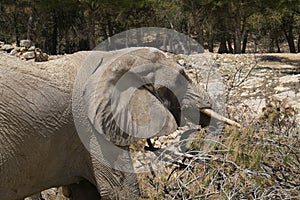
149,87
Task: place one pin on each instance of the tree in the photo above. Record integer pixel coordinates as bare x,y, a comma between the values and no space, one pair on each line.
14,18
282,12
72,25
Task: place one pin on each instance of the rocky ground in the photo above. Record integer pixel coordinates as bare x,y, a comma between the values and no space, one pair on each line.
245,85
25,51
260,160
254,79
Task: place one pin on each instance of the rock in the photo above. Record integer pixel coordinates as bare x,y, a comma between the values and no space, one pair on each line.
40,56
281,89
23,49
244,94
14,44
287,94
253,83
181,62
17,49
290,79
174,134
25,43
13,52
50,193
225,64
28,55
7,47
32,48
158,144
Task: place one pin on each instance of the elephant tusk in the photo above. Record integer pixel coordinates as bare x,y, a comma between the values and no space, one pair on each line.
219,117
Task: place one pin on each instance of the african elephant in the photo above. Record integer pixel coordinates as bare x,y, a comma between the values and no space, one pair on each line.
43,107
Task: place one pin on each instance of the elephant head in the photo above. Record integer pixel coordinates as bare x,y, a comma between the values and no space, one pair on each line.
141,93
137,93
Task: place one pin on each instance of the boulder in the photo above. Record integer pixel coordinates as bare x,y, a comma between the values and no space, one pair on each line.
32,48
288,79
17,49
254,82
7,47
13,52
281,88
28,55
23,49
25,43
40,56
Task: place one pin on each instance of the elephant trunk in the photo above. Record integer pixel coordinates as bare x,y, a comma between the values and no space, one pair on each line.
213,114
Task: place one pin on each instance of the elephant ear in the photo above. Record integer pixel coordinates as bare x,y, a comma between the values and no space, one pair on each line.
121,104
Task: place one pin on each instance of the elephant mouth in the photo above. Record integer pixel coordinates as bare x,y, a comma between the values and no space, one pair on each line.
208,112
170,101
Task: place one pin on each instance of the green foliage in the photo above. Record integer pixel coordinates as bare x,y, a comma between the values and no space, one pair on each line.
72,25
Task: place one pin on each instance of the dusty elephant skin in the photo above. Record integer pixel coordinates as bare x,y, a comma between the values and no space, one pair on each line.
39,144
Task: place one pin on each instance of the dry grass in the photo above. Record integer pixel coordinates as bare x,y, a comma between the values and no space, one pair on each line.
258,161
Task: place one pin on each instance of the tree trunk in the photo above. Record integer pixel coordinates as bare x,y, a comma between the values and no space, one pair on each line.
237,35
277,46
111,43
16,27
67,49
223,47
229,43
245,40
290,39
288,32
237,40
271,46
54,34
298,45
188,41
200,37
210,40
29,27
91,29
255,46
211,44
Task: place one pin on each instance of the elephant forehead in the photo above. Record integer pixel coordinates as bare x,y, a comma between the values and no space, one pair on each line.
113,71
142,61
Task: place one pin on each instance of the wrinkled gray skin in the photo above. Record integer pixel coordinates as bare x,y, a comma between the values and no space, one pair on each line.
39,145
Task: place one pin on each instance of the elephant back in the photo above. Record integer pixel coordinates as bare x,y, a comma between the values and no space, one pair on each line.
36,97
